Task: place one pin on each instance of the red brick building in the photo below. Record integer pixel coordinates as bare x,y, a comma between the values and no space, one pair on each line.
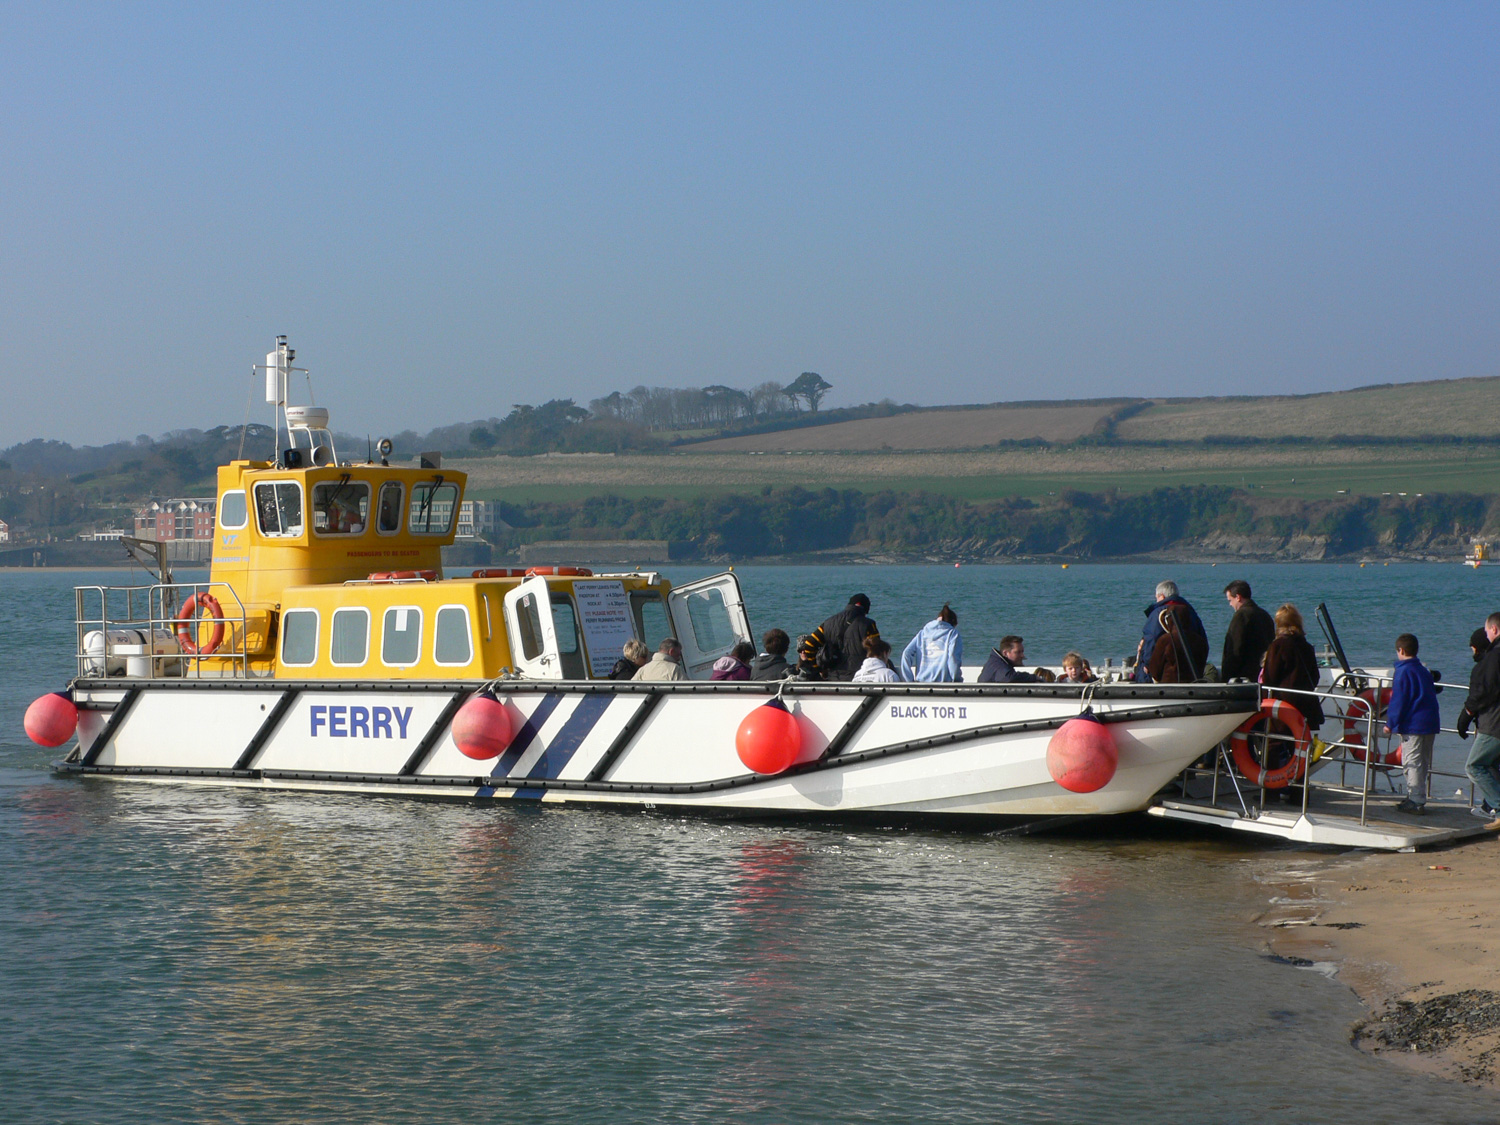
190,517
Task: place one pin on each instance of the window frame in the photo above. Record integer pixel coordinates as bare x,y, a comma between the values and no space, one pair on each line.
333,626
417,659
400,507
219,510
468,635
317,637
301,509
435,486
342,534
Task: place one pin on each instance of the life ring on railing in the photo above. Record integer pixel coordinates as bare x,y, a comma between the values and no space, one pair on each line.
497,572
1355,719
187,623
1272,711
561,571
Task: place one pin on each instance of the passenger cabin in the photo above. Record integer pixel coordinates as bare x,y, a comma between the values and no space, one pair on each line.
336,571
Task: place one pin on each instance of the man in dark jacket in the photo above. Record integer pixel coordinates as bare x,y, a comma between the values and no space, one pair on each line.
836,648
1250,633
1189,628
1482,708
771,663
1000,668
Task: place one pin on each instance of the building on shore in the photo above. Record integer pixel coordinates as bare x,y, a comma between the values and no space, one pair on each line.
480,519
4,532
185,523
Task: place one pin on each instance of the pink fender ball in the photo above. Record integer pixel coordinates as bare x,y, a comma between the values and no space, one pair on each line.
51,719
482,728
1082,756
769,739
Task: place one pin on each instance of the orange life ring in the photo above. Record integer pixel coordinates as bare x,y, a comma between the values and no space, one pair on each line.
497,572
187,623
1272,711
1354,723
561,571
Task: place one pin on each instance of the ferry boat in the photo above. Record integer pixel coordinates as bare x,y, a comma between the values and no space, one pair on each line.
328,651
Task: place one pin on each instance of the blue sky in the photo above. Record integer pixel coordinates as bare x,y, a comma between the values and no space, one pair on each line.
453,208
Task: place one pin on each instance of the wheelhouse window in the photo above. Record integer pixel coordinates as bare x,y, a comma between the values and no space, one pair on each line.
351,637
433,506
232,512
299,636
401,636
278,509
451,645
388,512
340,507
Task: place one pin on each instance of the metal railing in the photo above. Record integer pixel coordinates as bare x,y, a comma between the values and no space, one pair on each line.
1355,706
133,631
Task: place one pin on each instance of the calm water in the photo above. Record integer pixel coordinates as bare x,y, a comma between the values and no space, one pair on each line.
174,954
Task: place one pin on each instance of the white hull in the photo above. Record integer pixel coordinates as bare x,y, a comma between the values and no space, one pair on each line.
884,750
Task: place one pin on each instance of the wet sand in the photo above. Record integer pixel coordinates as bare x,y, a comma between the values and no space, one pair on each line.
1417,937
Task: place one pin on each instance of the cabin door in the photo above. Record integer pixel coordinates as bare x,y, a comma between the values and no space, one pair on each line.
532,632
709,617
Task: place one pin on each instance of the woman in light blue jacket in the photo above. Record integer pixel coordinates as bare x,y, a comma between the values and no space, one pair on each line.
936,654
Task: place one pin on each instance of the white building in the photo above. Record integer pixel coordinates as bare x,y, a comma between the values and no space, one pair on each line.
4,532
479,519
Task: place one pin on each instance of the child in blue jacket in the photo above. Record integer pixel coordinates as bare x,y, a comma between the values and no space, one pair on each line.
1413,714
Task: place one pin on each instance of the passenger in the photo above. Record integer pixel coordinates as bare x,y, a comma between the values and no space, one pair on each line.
877,666
636,654
665,664
1291,664
771,664
1173,642
1250,633
1076,670
735,666
1482,708
835,649
935,655
1412,713
1001,667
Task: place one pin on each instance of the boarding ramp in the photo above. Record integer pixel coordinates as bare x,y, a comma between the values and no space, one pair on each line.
1353,779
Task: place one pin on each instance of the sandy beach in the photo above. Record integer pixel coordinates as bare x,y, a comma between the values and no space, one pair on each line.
1417,937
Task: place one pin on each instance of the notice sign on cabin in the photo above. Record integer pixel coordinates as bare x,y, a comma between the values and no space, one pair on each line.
604,613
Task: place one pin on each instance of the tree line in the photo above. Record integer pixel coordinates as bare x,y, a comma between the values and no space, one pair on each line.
1080,525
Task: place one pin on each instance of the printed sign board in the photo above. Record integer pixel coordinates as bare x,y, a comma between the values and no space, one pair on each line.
604,613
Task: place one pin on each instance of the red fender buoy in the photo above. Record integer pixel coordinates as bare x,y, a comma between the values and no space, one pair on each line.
482,728
1082,756
51,719
769,738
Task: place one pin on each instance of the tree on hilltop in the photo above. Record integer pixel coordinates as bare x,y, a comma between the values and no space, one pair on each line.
810,386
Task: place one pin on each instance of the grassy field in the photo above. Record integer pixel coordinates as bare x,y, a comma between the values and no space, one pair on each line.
964,428
1463,407
1280,471
1456,407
